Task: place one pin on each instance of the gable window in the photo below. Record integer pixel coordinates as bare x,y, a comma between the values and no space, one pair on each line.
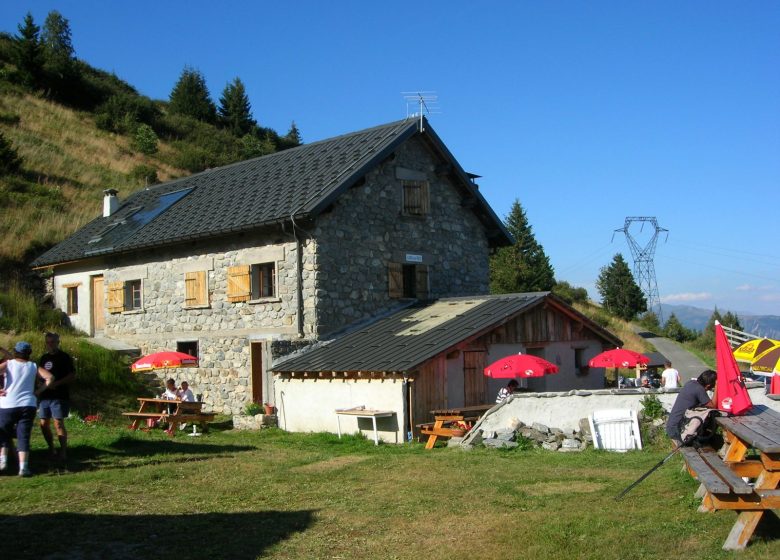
408,281
416,200
196,292
251,282
125,296
72,300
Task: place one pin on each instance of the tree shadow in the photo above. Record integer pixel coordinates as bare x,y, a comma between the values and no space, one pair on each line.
127,452
241,535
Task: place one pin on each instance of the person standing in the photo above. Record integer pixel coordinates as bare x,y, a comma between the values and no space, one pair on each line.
54,402
693,394
17,402
670,376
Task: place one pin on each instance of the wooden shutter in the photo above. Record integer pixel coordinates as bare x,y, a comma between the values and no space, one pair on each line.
421,282
195,288
238,283
116,297
395,276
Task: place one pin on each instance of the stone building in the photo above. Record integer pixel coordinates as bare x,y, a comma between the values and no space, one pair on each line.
242,264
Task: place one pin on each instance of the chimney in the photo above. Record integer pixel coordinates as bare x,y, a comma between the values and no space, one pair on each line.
110,202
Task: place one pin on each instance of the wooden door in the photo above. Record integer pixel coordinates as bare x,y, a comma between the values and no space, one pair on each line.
257,372
98,314
429,390
474,380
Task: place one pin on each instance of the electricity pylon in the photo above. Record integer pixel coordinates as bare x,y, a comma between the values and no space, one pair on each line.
644,269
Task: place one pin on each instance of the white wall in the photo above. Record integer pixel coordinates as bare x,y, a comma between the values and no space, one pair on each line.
309,405
83,319
564,410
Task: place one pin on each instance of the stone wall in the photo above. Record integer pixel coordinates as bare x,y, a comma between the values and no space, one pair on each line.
365,231
564,410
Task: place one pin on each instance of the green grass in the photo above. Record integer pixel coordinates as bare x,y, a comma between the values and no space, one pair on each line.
277,495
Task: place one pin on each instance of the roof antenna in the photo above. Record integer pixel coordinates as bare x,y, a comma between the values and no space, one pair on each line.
425,101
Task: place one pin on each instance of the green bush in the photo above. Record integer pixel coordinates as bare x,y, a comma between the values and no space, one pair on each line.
145,174
145,140
253,409
652,407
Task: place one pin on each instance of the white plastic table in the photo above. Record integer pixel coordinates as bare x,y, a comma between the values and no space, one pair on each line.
362,412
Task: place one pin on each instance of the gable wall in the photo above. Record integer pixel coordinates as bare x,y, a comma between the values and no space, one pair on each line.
365,231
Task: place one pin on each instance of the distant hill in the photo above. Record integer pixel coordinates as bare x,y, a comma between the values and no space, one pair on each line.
696,318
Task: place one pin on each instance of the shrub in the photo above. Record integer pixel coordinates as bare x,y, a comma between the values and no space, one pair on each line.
10,161
145,174
145,140
652,407
253,409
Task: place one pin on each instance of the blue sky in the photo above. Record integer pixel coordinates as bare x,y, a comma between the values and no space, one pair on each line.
585,112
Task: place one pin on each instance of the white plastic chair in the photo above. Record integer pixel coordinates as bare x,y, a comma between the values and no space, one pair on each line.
615,430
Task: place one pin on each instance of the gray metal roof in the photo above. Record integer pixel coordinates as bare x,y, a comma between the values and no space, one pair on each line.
259,192
405,340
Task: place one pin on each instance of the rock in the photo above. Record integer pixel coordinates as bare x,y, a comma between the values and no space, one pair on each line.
489,435
556,431
569,433
454,441
584,426
540,427
498,443
570,443
505,435
551,446
659,422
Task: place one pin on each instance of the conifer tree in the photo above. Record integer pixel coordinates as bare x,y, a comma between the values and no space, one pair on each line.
59,60
191,97
29,53
523,266
620,294
235,111
293,136
675,330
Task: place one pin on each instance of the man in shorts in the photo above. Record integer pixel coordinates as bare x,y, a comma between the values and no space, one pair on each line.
54,402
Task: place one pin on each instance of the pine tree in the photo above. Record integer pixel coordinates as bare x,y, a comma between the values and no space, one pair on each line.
59,60
620,294
523,266
293,137
191,97
732,320
29,53
234,109
675,330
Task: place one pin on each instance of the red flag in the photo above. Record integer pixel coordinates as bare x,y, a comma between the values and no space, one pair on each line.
774,388
730,393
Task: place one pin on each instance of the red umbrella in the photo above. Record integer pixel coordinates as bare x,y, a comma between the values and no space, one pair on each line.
618,358
161,360
520,365
730,392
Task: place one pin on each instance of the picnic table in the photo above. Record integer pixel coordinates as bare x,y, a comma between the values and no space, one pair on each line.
443,418
752,451
158,409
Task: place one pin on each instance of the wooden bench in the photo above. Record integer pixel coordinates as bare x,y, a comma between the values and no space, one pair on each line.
709,469
753,452
438,429
184,412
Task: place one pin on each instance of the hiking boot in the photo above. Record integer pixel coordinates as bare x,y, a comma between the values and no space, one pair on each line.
25,472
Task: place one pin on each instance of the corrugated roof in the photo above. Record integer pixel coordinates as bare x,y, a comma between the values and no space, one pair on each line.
301,181
408,338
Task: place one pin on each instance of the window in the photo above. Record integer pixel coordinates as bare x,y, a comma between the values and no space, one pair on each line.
196,292
188,347
73,300
251,282
408,281
125,296
415,198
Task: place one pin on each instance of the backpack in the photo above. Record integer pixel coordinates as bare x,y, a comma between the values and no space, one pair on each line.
698,427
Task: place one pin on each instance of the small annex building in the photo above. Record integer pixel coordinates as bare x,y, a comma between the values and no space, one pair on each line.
431,356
